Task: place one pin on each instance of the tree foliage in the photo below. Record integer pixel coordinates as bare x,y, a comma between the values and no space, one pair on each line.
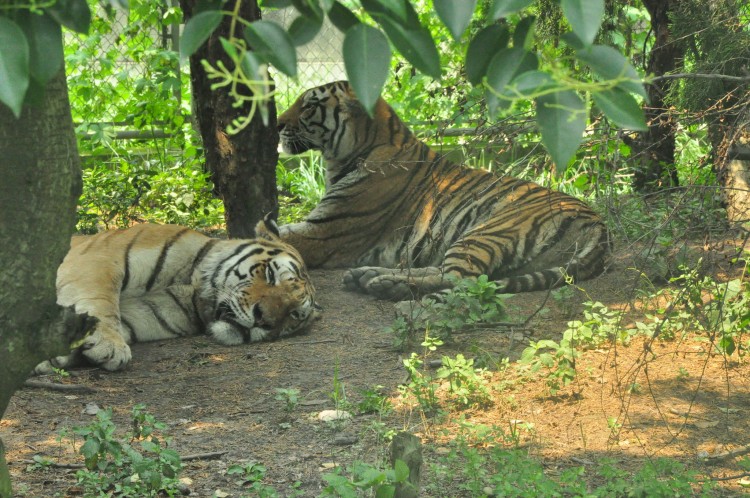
503,59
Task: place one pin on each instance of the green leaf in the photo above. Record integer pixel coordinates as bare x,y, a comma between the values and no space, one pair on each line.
417,46
44,37
367,57
197,30
455,15
585,17
482,48
271,43
341,17
309,8
523,35
385,491
90,452
396,8
528,84
73,14
612,65
250,66
504,67
562,119
14,65
230,49
572,40
303,29
275,4
503,8
621,108
402,471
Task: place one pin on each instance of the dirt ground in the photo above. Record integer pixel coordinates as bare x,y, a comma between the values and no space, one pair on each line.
630,404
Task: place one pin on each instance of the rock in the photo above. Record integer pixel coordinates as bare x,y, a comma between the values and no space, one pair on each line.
333,415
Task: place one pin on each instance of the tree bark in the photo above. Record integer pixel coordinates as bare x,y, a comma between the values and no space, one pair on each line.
40,182
655,148
732,165
242,166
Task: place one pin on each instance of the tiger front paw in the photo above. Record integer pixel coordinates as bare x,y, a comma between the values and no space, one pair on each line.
106,349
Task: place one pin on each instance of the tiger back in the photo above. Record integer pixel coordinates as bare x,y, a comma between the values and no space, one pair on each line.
402,217
153,282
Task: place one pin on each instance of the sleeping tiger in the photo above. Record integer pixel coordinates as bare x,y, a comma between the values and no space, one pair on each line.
152,282
402,217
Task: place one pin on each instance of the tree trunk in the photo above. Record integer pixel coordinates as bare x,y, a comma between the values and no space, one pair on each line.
40,182
655,148
242,166
733,170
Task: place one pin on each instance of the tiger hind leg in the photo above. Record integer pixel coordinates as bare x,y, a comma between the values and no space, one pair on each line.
394,284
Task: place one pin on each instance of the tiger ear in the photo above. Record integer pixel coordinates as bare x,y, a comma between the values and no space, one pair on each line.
267,228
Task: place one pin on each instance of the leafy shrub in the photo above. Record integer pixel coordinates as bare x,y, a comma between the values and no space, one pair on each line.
119,194
115,466
471,303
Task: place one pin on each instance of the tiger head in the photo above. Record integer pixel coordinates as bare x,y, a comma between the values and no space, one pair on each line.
329,118
265,293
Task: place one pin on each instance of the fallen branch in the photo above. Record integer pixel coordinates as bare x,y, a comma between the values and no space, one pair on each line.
53,386
56,465
204,456
743,450
322,341
725,478
709,76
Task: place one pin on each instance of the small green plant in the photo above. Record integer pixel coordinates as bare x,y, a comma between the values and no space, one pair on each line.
302,186
289,396
666,477
555,361
114,465
338,394
60,374
250,476
421,385
719,312
40,463
365,477
599,326
614,428
635,388
467,384
683,374
373,401
471,303
563,296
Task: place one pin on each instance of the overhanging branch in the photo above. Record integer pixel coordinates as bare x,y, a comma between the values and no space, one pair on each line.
706,76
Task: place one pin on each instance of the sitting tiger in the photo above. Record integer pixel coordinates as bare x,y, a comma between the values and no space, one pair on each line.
152,282
402,217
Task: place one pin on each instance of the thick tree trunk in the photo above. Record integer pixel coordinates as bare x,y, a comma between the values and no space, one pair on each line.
732,164
40,182
242,166
655,148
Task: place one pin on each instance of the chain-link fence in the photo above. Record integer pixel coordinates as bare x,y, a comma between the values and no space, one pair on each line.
318,62
125,76
129,57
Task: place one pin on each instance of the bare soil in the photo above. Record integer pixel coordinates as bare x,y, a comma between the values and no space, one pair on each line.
631,403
